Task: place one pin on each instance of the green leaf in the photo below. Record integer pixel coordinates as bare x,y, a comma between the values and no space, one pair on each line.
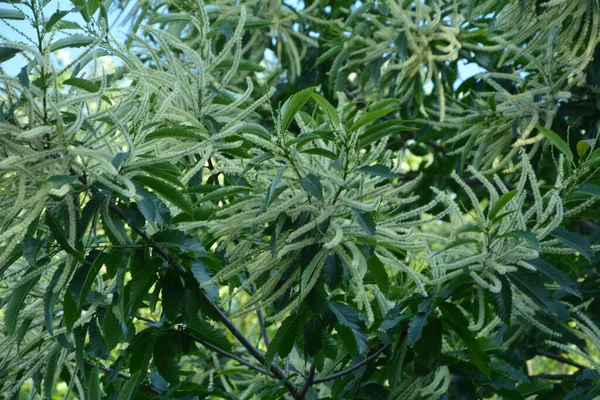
60,237
556,140
94,392
254,129
500,203
16,301
589,189
575,241
140,349
459,323
313,337
349,318
308,272
378,170
584,145
430,343
72,41
251,22
312,184
180,240
533,387
151,207
326,106
291,107
556,275
50,298
166,356
50,374
31,248
243,65
528,283
208,333
141,282
81,83
459,242
376,267
528,236
126,391
98,347
169,192
57,16
321,152
221,192
172,295
503,301
6,53
415,327
11,14
370,117
271,192
181,132
285,337
366,221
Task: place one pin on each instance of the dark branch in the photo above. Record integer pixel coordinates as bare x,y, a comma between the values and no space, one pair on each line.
254,352
309,381
354,367
559,358
553,377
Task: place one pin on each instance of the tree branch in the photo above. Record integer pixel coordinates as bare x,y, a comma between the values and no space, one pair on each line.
554,377
221,316
354,367
309,381
559,358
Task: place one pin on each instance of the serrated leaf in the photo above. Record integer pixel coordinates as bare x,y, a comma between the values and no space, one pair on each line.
378,170
172,295
366,221
166,190
285,337
503,301
202,274
321,152
180,240
500,203
126,391
141,282
556,140
72,41
326,106
151,207
182,132
140,349
349,318
376,267
312,184
170,17
308,272
533,387
589,189
6,53
209,334
415,327
57,16
94,392
98,347
575,241
469,228
255,129
251,22
430,343
528,236
292,105
370,117
50,374
556,275
529,285
271,192
81,83
59,235
16,301
313,337
11,14
459,323
50,298
165,353
221,192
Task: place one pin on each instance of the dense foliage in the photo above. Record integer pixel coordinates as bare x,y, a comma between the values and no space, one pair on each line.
308,201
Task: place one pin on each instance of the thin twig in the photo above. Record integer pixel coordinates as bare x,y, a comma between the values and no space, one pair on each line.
554,377
354,367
